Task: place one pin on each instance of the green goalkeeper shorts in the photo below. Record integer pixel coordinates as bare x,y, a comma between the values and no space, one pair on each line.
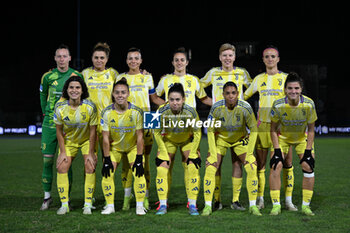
48,141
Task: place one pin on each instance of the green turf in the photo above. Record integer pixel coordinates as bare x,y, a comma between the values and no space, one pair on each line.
21,197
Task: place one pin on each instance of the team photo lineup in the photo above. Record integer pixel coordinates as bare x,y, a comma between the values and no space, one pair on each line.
99,109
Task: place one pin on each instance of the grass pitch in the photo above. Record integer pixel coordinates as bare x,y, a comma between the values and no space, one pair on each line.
21,196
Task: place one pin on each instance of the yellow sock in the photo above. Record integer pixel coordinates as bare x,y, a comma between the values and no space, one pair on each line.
288,181
251,182
89,187
185,167
236,188
307,196
126,173
261,182
217,190
108,188
209,183
139,187
193,182
63,186
162,183
275,197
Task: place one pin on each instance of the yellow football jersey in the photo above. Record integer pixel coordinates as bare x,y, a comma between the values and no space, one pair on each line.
76,122
293,120
190,83
122,126
140,87
233,122
178,128
218,77
270,88
100,86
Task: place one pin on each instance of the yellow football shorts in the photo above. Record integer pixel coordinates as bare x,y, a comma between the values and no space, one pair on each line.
72,149
264,138
240,147
299,147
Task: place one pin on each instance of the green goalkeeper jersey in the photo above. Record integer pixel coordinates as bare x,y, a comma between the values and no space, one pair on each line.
51,87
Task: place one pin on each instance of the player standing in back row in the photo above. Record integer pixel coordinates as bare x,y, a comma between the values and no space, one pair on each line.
270,85
142,91
217,77
51,87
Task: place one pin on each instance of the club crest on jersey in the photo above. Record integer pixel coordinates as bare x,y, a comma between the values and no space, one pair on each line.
237,76
279,81
188,83
83,115
107,76
238,117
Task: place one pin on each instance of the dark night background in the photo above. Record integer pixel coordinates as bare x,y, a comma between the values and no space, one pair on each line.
312,39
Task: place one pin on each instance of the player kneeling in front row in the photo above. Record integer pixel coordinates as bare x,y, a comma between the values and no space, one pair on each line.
122,130
292,115
76,120
178,129
234,115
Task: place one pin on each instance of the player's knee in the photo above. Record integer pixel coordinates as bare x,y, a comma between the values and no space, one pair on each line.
306,167
250,168
279,166
89,169
48,161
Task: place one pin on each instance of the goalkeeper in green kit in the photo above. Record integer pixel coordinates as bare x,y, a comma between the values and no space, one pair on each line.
50,92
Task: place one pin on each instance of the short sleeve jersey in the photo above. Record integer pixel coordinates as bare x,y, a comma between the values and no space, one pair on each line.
100,86
218,77
293,120
172,129
140,87
190,83
122,126
51,88
76,122
270,88
233,122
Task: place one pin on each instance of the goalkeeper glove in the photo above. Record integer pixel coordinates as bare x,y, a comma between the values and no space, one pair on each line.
197,162
138,166
276,158
107,166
